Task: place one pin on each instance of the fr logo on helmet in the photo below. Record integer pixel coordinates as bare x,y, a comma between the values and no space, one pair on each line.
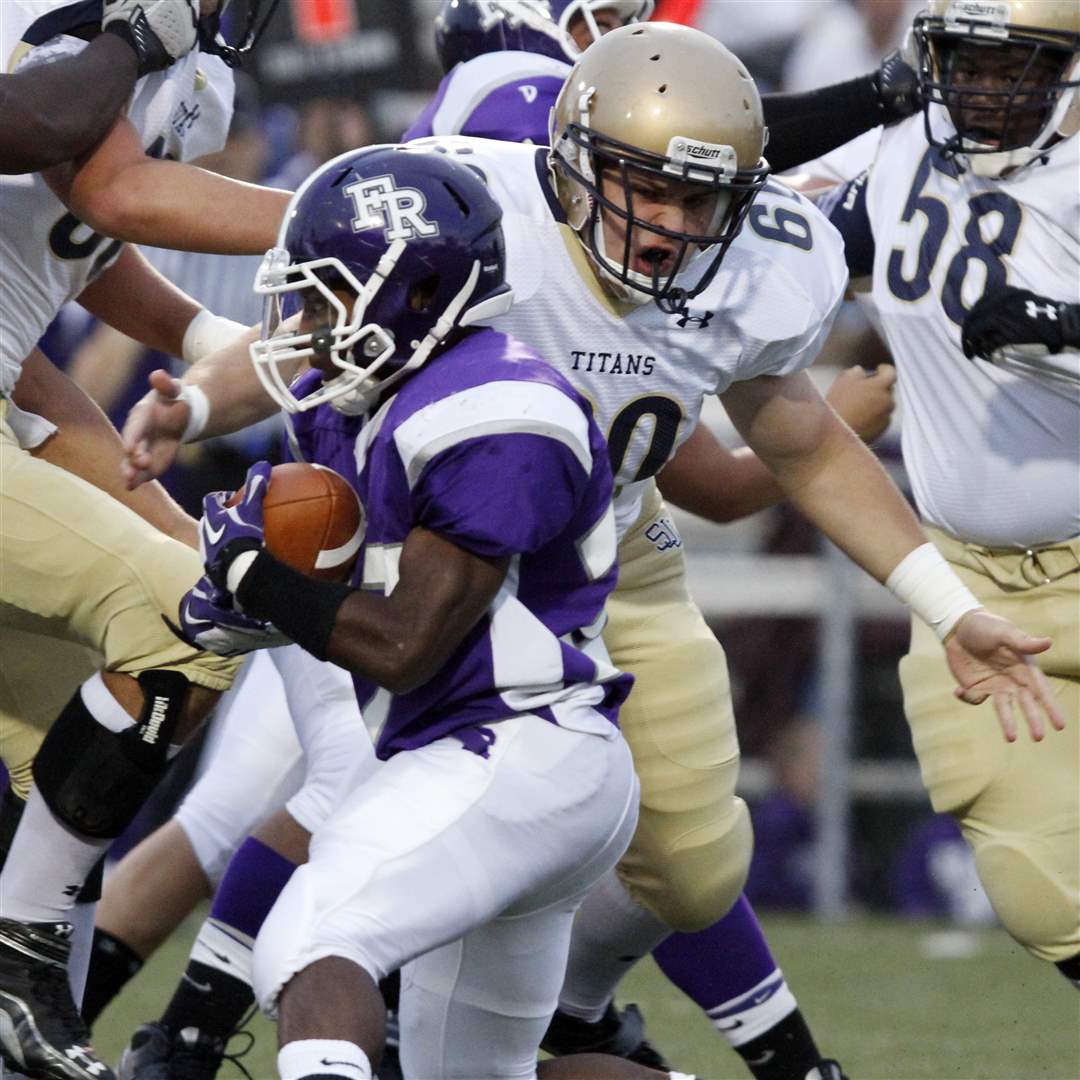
397,211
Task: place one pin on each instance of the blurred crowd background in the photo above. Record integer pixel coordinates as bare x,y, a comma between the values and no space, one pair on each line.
331,75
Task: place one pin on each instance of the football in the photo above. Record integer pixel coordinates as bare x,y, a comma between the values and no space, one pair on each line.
312,520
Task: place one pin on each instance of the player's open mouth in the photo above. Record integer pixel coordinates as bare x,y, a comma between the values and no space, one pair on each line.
655,259
984,135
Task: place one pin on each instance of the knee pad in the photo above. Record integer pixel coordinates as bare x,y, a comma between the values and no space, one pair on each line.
95,780
694,882
1029,899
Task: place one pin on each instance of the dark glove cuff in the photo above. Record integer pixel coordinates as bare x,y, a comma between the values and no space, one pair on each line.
150,54
301,607
218,571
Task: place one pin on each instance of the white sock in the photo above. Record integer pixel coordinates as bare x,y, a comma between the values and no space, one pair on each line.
46,866
752,1014
611,933
229,950
48,863
323,1057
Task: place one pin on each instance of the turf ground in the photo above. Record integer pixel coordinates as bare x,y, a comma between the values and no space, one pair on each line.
890,1000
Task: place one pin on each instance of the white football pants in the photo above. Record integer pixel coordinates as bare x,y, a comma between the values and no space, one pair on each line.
469,870
289,734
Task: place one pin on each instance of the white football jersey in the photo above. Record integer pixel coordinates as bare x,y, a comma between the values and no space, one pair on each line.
766,312
48,256
993,455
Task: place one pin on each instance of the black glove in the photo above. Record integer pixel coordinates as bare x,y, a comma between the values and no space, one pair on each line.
1020,318
158,31
897,86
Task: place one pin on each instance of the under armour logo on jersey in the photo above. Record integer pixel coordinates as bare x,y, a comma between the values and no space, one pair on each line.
699,321
398,211
183,119
1035,310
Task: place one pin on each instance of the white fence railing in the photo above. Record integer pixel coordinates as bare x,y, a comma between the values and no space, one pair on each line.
832,589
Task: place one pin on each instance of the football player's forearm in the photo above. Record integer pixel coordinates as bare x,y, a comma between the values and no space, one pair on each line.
233,391
132,297
173,205
718,484
805,126
64,108
399,641
843,489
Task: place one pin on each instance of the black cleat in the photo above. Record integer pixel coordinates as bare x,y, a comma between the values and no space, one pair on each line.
42,1034
158,1053
618,1034
826,1069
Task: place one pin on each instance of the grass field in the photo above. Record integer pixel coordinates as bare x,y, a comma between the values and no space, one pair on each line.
876,998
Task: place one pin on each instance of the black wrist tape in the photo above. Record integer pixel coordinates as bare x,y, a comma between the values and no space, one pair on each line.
301,607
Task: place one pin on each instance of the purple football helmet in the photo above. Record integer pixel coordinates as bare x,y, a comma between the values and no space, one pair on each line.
465,29
415,235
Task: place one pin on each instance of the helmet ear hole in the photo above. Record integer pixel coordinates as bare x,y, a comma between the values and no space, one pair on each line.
422,293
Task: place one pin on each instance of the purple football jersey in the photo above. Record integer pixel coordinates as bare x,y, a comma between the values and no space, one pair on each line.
502,95
492,449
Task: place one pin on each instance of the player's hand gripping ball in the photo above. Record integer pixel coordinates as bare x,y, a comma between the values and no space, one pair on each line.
311,519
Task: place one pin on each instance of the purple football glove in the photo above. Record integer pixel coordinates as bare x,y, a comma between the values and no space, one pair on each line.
228,531
210,619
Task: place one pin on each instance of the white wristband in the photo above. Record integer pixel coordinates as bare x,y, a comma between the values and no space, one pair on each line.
207,333
237,569
199,411
928,585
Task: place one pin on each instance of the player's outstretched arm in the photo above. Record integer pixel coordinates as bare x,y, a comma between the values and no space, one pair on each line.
120,192
833,479
807,125
724,485
58,110
218,395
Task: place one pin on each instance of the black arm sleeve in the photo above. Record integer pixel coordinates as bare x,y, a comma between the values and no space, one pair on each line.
55,112
805,126
301,607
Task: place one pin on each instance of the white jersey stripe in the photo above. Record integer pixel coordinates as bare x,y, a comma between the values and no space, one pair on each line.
472,82
492,409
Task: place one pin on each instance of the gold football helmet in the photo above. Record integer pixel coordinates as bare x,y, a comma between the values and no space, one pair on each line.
656,152
1007,73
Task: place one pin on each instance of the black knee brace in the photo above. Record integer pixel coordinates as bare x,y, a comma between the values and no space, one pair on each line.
95,780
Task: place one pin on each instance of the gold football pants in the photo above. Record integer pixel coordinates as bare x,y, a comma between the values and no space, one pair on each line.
82,579
690,854
1018,805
